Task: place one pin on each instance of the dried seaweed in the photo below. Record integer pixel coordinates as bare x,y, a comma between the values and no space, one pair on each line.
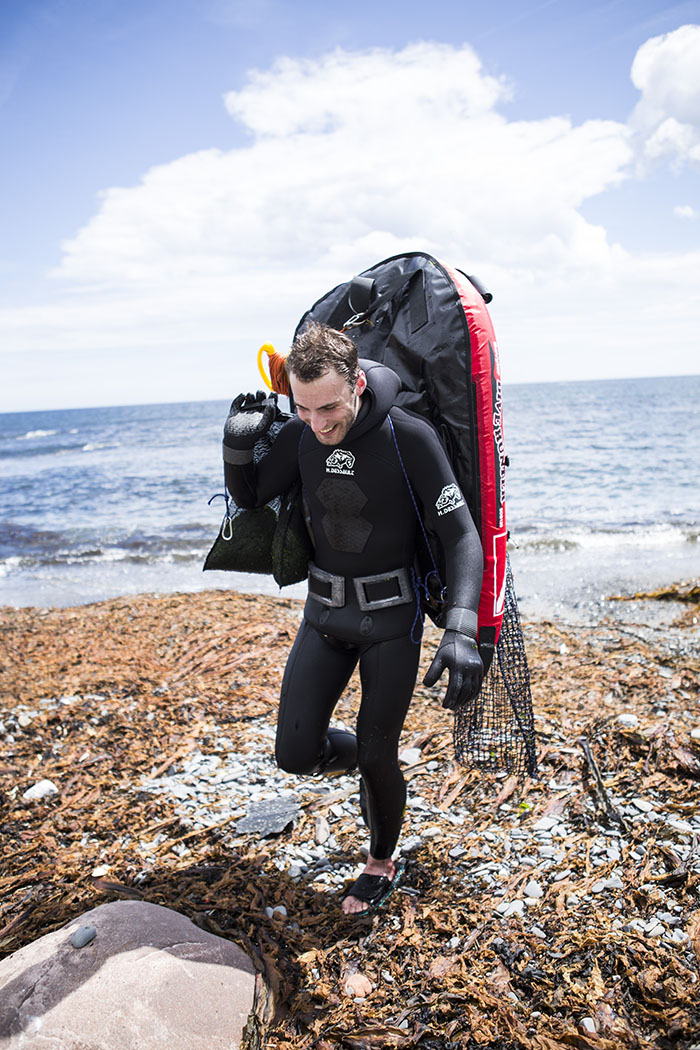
95,698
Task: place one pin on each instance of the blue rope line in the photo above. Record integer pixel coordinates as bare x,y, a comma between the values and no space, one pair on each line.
419,618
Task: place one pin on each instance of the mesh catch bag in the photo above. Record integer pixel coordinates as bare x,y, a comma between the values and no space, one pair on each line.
496,731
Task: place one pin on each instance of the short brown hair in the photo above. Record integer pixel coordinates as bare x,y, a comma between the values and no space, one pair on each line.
319,349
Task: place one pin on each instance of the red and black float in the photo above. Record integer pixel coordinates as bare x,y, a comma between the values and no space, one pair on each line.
430,324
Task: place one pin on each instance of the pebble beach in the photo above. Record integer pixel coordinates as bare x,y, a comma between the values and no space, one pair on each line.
540,913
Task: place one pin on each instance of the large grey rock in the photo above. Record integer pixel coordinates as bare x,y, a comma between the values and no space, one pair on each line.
148,979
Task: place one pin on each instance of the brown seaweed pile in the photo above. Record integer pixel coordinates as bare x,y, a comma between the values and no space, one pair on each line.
544,914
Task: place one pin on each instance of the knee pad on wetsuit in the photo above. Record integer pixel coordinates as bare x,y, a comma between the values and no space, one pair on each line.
339,752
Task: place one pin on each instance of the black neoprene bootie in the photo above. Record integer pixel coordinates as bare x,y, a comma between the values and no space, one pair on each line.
340,752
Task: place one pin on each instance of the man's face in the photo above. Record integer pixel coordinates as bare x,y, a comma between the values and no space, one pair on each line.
329,405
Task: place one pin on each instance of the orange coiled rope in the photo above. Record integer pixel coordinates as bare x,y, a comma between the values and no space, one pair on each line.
278,380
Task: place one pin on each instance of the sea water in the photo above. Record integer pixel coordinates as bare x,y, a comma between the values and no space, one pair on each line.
603,496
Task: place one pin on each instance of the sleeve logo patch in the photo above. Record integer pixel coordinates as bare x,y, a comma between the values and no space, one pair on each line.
340,462
449,499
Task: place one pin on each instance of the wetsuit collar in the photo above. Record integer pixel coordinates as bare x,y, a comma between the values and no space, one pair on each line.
383,384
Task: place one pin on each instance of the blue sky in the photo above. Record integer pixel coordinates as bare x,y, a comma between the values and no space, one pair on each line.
181,179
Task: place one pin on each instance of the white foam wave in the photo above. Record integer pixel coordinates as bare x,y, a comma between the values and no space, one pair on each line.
8,564
36,434
651,536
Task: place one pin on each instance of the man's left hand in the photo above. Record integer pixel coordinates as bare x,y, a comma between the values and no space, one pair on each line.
458,654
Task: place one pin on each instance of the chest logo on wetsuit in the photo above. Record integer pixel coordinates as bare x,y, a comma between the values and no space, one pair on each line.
449,499
340,462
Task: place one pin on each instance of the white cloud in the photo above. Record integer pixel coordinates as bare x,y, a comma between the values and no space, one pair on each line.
357,151
363,92
351,158
666,70
685,211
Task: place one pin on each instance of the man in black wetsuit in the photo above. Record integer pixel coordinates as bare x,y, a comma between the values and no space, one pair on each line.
368,470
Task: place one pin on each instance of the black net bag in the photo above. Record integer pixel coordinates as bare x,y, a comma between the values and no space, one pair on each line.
496,731
271,540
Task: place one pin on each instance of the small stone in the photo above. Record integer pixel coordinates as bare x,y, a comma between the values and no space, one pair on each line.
614,883
680,825
83,936
270,817
100,872
657,928
42,789
695,734
533,889
322,830
588,1025
358,986
508,908
410,756
642,805
24,720
456,852
411,843
629,721
545,824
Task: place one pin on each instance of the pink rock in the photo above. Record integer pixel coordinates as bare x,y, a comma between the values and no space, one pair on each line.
149,980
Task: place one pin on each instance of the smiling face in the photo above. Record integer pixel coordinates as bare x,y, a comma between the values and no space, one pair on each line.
328,405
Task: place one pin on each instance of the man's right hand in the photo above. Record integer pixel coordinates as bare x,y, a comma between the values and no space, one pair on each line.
249,418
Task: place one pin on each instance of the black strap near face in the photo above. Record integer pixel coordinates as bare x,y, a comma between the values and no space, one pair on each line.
361,289
360,294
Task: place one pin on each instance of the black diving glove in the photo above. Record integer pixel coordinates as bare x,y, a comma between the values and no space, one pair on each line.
459,654
249,419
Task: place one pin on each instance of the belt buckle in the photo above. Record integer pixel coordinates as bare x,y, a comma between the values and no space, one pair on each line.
337,585
367,604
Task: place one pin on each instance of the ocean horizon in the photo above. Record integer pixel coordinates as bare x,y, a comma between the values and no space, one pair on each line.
218,400
603,496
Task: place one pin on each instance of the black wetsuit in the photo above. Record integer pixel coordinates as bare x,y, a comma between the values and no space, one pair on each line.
365,524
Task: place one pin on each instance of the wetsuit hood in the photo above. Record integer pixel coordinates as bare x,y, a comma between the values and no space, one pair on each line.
383,384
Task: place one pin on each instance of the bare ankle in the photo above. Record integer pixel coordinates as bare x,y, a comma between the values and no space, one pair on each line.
379,867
